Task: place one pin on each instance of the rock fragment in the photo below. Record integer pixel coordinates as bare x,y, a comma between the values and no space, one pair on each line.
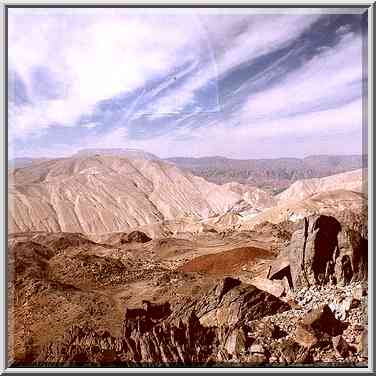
341,347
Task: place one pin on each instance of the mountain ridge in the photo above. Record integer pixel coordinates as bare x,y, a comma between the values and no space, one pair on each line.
271,174
106,193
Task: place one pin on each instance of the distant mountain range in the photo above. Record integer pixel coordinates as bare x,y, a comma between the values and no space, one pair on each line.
273,175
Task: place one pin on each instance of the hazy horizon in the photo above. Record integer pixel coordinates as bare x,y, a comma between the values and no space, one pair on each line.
260,86
193,157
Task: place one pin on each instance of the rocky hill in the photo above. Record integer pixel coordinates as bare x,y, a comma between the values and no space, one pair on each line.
355,181
101,193
158,302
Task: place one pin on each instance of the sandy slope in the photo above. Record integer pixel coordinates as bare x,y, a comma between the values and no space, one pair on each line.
98,194
350,181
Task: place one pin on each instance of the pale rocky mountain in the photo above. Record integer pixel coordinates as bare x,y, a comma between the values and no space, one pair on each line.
254,199
332,195
99,194
336,202
351,181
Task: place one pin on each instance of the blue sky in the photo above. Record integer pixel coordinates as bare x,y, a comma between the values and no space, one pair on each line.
236,83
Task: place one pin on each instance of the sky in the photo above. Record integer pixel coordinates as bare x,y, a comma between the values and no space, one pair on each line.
239,83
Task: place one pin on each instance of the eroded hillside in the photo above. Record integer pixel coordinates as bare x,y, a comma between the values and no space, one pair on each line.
98,194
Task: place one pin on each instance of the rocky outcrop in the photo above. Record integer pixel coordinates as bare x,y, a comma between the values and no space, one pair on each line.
160,335
324,251
240,304
210,329
277,288
313,250
352,263
135,237
322,320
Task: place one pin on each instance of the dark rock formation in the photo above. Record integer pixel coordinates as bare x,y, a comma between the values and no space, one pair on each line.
322,321
325,251
144,319
353,258
240,304
156,335
135,237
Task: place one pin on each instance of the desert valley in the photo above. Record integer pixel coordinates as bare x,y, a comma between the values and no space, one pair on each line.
120,258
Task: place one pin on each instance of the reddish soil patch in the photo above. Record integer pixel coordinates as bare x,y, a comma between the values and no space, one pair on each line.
227,262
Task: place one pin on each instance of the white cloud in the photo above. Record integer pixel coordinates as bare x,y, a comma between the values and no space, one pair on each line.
319,132
343,29
97,55
247,141
260,35
324,80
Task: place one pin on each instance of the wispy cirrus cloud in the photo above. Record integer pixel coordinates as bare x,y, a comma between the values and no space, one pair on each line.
322,82
83,58
185,84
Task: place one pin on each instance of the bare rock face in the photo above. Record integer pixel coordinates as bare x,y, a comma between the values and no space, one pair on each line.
325,251
293,353
235,343
159,335
143,319
241,303
276,287
143,342
312,251
352,263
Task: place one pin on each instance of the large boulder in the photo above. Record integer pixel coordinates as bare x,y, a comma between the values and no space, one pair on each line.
322,320
241,303
325,251
274,287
